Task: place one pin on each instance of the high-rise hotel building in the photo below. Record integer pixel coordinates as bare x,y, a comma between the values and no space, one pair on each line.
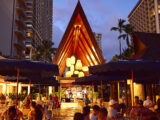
12,28
39,23
98,37
24,23
145,17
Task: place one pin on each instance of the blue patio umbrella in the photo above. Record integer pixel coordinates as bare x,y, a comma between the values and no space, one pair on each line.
138,68
97,79
14,67
9,67
50,81
144,70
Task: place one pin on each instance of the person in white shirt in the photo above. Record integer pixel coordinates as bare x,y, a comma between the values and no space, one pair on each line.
112,110
94,115
148,103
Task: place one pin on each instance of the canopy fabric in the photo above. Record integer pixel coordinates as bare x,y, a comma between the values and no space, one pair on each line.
143,71
41,81
8,67
126,67
96,79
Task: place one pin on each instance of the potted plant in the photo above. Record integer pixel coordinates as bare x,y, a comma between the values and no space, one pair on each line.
2,98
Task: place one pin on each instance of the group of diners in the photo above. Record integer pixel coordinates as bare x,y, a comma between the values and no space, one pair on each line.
141,110
31,110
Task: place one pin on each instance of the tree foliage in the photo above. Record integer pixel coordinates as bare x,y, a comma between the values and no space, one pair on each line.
44,51
125,31
120,29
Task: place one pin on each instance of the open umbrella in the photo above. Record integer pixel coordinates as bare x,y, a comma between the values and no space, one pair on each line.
97,80
12,67
144,70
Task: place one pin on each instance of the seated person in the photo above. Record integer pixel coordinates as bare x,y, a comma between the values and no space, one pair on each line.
11,112
140,111
94,115
148,103
112,110
86,113
78,116
102,115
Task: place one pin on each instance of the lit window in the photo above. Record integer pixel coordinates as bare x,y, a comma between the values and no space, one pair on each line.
29,34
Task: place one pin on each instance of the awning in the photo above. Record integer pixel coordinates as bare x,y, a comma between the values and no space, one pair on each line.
97,79
8,67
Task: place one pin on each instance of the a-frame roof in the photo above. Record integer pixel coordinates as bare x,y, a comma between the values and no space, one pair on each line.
78,40
146,45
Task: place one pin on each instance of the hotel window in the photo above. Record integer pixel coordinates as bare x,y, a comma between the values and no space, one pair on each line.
29,34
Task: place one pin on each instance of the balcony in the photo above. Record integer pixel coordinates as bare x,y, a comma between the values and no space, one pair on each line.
29,21
29,40
29,26
21,24
29,16
19,46
21,13
29,1
29,12
29,45
30,30
20,35
21,3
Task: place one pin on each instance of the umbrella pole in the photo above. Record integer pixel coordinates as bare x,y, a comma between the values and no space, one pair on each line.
126,93
18,71
29,87
132,88
39,90
92,92
118,91
153,95
101,91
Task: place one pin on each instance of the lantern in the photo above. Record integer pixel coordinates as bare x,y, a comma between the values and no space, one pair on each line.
72,68
85,69
76,72
68,63
69,73
79,65
81,74
73,60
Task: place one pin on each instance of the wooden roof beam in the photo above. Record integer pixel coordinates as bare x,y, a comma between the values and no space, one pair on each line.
63,64
90,48
84,56
84,49
61,49
65,49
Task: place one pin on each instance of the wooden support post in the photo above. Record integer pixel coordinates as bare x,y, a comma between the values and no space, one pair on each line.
153,94
132,87
18,72
39,90
92,93
126,92
102,91
118,90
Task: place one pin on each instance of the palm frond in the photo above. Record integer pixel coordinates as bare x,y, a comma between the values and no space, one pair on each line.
122,36
114,28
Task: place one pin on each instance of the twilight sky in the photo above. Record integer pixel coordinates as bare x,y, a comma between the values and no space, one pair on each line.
101,14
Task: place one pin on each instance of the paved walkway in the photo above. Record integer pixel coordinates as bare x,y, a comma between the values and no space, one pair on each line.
66,112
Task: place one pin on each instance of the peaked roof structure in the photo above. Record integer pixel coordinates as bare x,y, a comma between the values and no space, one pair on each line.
78,40
146,45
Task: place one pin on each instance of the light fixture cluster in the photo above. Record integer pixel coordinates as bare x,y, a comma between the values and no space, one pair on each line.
75,67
